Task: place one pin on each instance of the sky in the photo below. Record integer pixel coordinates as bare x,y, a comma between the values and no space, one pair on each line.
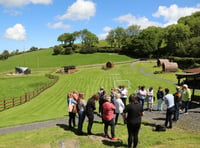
38,23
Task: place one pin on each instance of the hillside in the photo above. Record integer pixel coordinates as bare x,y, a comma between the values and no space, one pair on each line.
45,59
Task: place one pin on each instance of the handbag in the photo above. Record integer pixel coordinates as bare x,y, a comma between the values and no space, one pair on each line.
74,109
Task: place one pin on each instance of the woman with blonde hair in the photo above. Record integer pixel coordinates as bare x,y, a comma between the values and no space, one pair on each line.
81,112
119,107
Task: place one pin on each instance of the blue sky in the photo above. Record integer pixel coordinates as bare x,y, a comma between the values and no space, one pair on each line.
27,23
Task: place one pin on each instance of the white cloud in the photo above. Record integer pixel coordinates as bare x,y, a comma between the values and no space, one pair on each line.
172,13
12,12
104,35
19,3
80,10
59,25
141,21
17,32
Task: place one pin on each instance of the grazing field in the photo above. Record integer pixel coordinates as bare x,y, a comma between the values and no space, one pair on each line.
51,104
17,86
45,59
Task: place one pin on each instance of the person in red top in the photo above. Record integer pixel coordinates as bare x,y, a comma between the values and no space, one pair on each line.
108,117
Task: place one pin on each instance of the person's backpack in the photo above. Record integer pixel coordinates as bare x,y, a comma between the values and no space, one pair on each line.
160,128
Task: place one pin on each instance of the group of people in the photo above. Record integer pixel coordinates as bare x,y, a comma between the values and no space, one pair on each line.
115,103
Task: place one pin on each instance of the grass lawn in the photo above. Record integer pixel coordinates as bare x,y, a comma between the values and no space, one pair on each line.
55,137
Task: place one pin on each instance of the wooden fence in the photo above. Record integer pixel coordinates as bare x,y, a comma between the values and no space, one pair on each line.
9,103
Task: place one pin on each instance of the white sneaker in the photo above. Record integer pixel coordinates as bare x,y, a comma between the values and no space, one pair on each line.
186,113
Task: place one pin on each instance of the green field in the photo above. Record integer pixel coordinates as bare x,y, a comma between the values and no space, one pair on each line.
51,104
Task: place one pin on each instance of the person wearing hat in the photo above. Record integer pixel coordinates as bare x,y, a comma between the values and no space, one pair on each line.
178,102
186,97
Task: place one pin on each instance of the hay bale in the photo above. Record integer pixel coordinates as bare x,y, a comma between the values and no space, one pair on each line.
161,61
169,67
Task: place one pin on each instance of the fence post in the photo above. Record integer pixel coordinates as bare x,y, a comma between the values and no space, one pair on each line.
4,103
13,101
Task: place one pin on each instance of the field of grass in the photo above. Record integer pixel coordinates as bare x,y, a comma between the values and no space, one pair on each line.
45,59
17,86
55,137
51,104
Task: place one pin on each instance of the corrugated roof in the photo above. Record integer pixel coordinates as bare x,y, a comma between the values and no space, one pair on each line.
193,70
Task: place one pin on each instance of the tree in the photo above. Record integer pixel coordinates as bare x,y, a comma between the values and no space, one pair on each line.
5,54
88,39
175,36
110,38
148,42
119,36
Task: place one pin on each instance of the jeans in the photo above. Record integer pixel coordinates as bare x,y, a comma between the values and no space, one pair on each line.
186,105
177,108
81,118
160,108
112,124
170,112
133,131
141,101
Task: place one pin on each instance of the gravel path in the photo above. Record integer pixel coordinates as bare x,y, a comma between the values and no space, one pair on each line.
190,122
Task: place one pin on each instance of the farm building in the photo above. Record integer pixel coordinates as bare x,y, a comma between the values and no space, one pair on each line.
191,78
22,70
169,67
69,69
161,61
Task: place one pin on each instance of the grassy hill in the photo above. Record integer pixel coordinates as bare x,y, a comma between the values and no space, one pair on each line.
45,59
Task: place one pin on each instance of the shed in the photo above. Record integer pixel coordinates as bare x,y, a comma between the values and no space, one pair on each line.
161,61
69,69
22,70
169,67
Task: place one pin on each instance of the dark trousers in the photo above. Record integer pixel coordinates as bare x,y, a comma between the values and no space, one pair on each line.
81,118
133,131
177,108
116,118
141,101
112,125
186,105
124,100
90,123
170,112
72,117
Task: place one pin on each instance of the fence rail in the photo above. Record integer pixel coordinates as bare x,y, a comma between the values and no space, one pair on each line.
9,103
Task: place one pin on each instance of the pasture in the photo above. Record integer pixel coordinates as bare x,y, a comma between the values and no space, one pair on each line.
51,104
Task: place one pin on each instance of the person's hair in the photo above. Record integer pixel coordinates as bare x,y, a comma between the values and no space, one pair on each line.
70,95
142,87
133,98
95,96
81,96
166,90
108,98
118,95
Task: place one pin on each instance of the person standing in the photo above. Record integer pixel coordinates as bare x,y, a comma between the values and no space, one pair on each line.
134,111
90,107
81,112
124,93
119,107
142,93
150,99
186,97
169,100
160,95
178,102
71,105
108,118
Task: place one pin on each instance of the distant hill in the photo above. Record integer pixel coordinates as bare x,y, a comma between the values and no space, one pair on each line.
45,59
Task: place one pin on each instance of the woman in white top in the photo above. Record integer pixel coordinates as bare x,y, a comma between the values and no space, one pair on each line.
119,107
150,100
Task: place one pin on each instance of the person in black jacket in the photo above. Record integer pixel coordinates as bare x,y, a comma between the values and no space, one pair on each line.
134,111
90,107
